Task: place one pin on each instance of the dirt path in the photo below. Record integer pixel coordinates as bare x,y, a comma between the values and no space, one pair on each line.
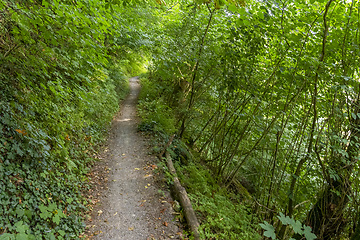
130,205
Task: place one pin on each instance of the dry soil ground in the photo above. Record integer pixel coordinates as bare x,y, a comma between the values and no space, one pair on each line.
126,184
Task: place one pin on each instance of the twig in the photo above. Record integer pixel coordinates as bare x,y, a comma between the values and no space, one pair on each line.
301,203
263,206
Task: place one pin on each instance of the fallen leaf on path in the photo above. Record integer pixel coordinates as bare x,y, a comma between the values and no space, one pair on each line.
145,186
162,211
137,168
115,213
147,175
123,154
153,166
114,180
165,224
100,212
131,228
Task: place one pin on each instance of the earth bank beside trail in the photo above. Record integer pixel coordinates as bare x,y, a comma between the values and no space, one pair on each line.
131,200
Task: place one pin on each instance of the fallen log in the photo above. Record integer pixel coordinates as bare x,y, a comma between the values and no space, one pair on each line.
182,194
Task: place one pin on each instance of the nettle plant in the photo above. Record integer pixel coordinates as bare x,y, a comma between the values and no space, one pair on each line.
297,227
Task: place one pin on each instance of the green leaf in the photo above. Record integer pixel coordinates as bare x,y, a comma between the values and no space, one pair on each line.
19,212
44,212
308,234
270,230
61,232
7,236
56,219
50,236
20,228
297,227
22,236
285,220
52,207
232,8
69,200
28,214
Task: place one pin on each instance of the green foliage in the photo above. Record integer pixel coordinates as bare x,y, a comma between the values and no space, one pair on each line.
51,213
22,233
215,207
61,80
297,227
269,230
156,115
269,93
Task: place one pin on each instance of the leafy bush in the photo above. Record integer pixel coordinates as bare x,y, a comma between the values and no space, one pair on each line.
59,92
216,207
155,113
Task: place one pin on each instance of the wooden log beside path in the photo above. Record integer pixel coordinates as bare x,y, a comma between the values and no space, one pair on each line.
181,193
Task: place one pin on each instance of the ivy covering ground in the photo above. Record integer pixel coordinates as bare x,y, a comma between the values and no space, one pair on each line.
63,70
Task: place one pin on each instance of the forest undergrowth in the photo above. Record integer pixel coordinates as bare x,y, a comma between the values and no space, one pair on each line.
62,75
263,99
214,206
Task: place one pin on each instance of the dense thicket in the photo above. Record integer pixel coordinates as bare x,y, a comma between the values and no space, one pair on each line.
267,97
63,67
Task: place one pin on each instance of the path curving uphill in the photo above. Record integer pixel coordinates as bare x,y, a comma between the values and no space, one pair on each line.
131,205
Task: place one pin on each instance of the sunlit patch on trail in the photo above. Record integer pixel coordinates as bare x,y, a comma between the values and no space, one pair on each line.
124,120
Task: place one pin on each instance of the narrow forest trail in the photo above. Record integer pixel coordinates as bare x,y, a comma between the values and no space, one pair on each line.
130,205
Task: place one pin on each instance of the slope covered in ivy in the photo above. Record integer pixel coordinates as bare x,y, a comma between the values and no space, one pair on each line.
63,69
